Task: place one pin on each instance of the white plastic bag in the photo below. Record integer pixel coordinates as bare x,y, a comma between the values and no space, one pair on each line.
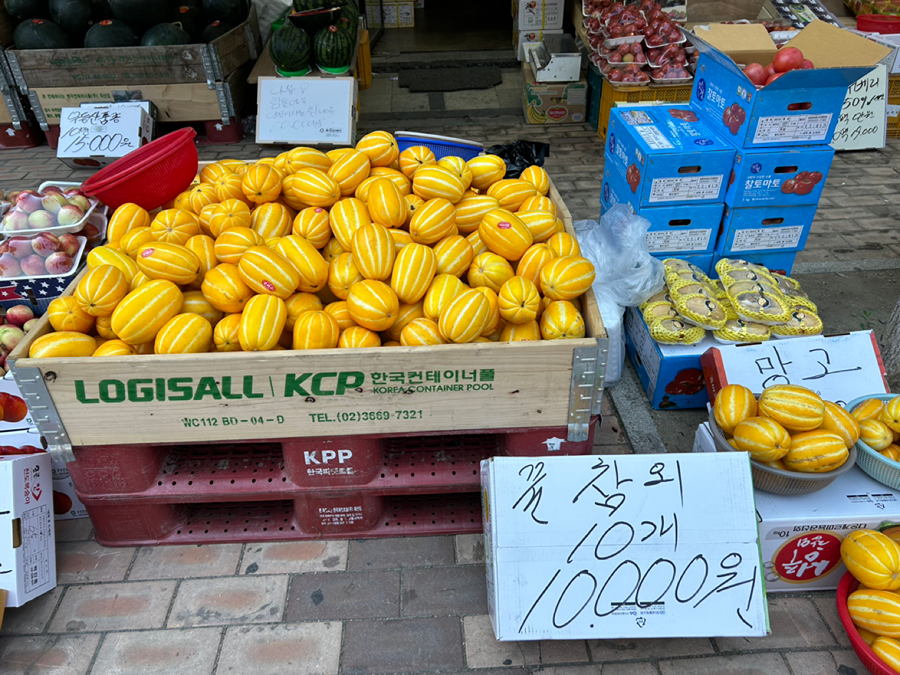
626,273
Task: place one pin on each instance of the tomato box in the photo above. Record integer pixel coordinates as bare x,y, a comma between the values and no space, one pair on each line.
779,261
800,108
785,177
767,228
666,156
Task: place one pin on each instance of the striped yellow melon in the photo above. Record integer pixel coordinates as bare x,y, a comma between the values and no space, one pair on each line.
567,277
290,190
313,225
337,153
491,270
262,183
795,408
501,326
316,330
421,332
204,248
100,290
838,420
373,251
561,321
443,289
65,314
891,452
478,246
816,451
406,313
532,262
159,260
413,272
564,244
385,205
538,177
870,409
357,337
873,558
867,635
875,610
132,240
464,317
400,181
415,157
213,172
268,272
197,303
458,166
346,217
124,219
454,255
226,334
890,414
876,434
888,650
486,170
413,204
115,348
433,221
343,274
518,301
341,314
63,344
332,249
734,403
236,166
540,224
225,289
271,220
380,147
306,260
436,182
200,196
400,238
229,187
511,193
470,211
144,311
180,202
373,304
539,203
524,332
299,303
349,171
174,226
504,234
184,333
313,188
765,439
493,321
234,242
306,158
228,214
104,255
262,323
139,279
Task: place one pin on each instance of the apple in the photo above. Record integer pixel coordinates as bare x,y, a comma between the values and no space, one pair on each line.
73,192
14,407
51,189
20,247
70,215
41,220
81,202
28,201
9,266
18,315
10,336
45,243
33,266
53,201
69,244
15,220
59,263
91,232
28,325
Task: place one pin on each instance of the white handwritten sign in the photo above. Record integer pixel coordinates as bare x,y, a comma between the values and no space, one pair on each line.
863,121
102,133
838,367
306,110
622,547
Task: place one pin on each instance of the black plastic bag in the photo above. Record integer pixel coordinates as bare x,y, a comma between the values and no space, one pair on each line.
519,155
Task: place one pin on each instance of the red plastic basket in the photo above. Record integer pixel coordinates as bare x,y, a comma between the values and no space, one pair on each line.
878,23
869,658
149,176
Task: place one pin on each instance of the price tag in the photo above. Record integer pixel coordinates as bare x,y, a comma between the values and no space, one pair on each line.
863,120
306,110
99,134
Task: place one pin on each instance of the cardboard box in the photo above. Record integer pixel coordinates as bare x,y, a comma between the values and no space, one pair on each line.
744,43
779,261
760,177
670,374
799,13
801,107
66,504
522,37
17,407
98,135
27,535
892,42
538,14
764,229
665,159
553,103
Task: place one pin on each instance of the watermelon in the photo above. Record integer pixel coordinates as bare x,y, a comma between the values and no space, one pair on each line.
73,16
346,24
229,11
290,49
27,9
309,5
140,14
165,34
110,33
214,31
191,19
40,34
334,48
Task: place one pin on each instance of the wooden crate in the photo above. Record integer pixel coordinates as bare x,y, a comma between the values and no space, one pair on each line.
128,66
334,392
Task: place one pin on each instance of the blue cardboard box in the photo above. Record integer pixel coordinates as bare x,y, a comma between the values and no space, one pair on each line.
783,177
779,261
670,374
666,156
801,107
764,229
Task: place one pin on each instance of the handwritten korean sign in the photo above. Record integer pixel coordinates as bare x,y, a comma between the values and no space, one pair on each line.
306,110
622,546
863,120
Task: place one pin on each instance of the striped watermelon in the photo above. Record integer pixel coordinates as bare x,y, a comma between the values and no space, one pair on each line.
290,48
334,49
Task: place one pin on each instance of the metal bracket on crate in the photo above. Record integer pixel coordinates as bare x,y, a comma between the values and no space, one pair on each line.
16,72
251,41
38,110
581,397
226,107
600,373
43,412
208,68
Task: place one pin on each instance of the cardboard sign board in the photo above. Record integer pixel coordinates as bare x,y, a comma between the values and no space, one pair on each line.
838,368
306,110
862,124
634,546
98,135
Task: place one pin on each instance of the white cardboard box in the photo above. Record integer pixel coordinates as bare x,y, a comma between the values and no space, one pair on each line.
97,135
66,504
521,37
538,14
621,547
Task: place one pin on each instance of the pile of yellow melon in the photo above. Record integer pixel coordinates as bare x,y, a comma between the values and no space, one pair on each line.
879,425
361,247
790,427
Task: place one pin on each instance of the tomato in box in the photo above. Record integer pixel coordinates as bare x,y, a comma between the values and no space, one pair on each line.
772,177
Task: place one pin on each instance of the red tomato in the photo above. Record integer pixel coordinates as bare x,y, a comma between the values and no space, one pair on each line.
755,73
804,187
789,58
806,65
770,71
789,186
773,78
802,176
816,177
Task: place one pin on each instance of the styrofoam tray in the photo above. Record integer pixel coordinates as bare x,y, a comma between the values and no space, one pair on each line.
609,43
59,229
676,81
662,46
78,256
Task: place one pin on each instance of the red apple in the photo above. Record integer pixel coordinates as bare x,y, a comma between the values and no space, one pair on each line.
10,336
33,266
9,266
72,192
20,246
18,315
31,323
41,220
70,215
59,263
69,244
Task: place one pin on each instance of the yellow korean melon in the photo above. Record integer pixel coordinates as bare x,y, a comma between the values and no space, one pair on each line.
316,330
816,451
229,187
532,262
332,249
421,332
871,408
234,242
62,344
539,203
66,315
443,289
204,248
228,214
564,244
875,433
306,158
524,332
262,323
400,238
567,277
132,240
124,219
463,318
478,246
765,439
873,558
795,408
262,183
350,170
841,422
470,211
386,206
491,270
197,303
415,157
493,321
299,303
432,222
877,611
459,167
213,172
271,220
313,225
104,255
226,334
341,314
454,255
413,204
540,224
268,272
890,414
504,234
200,196
891,452
888,650
413,272
486,170
561,321
139,278
144,311
406,314
400,181
373,304
346,217
337,153
313,188
225,288
373,251
174,226
184,333
357,337
511,192
115,348
380,147
342,274
734,403
100,290
159,260
437,182
519,300
306,260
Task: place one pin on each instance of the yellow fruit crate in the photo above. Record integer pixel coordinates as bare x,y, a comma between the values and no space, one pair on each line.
611,96
894,86
893,123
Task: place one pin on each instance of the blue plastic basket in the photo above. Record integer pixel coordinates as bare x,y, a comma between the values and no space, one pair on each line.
879,467
441,146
